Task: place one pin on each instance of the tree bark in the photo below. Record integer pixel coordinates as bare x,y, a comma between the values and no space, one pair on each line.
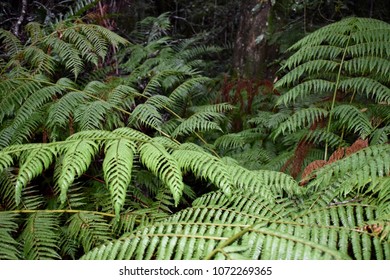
250,49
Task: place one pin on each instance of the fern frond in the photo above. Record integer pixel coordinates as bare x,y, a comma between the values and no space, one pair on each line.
77,158
201,122
368,87
33,162
132,134
181,93
380,136
117,166
69,55
89,230
92,114
323,136
155,157
204,165
251,228
248,180
307,69
40,236
305,89
39,60
230,141
352,119
21,90
146,114
302,118
355,171
9,246
37,99
279,182
10,42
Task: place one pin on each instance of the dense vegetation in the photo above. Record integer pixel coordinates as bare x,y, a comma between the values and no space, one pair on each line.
139,148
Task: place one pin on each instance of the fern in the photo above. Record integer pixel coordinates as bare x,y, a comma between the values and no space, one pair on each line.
139,162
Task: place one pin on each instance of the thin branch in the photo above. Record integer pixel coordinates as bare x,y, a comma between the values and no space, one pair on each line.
21,18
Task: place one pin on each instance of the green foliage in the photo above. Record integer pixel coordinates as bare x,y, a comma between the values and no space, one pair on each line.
342,62
121,153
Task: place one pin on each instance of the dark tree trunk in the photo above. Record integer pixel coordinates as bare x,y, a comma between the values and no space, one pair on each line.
250,49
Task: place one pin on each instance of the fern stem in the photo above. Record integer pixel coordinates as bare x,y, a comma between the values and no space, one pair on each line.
29,211
227,242
334,96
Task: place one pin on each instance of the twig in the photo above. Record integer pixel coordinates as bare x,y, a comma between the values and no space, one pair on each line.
21,18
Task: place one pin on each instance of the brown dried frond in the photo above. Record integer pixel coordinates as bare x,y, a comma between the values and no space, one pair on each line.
356,146
337,155
306,174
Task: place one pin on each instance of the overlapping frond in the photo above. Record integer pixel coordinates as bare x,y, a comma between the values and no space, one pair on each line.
249,227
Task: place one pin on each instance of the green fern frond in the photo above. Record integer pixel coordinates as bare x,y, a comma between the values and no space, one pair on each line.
230,141
9,246
368,87
353,119
79,40
146,114
307,69
372,66
77,158
117,166
32,163
37,99
304,90
181,93
204,165
21,90
61,110
155,157
252,228
380,136
10,42
91,115
279,182
70,56
198,122
40,237
39,60
89,230
132,134
302,118
323,136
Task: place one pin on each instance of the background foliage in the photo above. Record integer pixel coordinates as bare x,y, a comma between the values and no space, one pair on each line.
139,143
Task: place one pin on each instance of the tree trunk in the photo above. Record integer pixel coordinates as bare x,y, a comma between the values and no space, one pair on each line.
250,50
